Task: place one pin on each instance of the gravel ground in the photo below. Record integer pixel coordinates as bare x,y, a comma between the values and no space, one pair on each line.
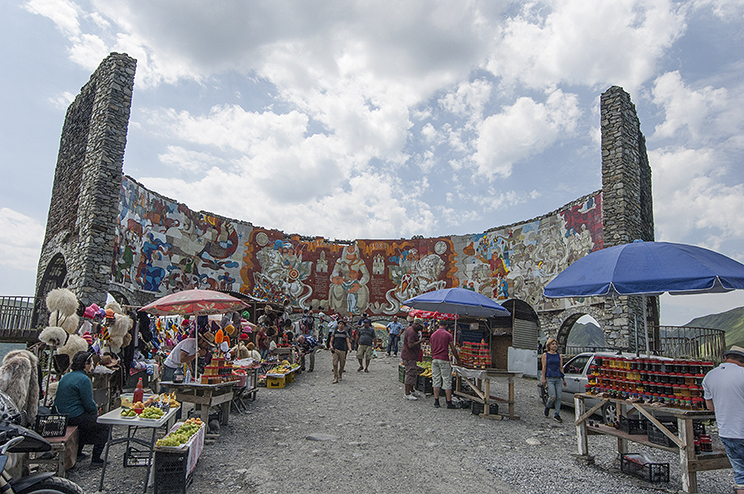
383,443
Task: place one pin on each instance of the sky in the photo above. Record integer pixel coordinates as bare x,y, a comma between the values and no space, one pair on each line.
385,119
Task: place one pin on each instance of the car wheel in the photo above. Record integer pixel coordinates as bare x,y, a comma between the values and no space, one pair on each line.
609,414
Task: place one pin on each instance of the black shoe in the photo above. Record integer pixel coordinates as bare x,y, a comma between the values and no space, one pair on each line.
81,457
436,404
451,405
557,418
96,463
547,411
310,370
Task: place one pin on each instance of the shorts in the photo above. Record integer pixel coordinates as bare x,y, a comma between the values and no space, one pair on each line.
412,372
441,374
735,453
364,352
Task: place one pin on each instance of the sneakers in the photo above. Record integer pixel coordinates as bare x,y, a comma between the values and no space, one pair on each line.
360,369
436,404
335,381
410,397
416,393
547,411
557,418
451,405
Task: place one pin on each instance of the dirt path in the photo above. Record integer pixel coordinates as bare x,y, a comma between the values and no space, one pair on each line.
375,441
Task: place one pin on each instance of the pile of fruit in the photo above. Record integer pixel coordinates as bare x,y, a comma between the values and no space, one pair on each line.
426,365
152,412
182,434
282,368
169,399
128,412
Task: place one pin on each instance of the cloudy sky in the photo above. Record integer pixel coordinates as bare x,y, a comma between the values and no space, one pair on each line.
385,119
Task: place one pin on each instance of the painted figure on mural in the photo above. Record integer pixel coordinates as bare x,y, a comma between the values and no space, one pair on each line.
349,293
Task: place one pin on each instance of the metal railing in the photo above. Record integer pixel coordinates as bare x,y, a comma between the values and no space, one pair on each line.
15,312
690,342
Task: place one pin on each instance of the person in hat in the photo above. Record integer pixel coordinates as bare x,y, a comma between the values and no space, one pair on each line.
723,389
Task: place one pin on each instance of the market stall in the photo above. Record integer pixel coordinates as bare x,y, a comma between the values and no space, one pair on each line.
479,390
205,396
150,421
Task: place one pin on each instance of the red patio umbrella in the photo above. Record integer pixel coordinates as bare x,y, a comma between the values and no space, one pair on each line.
194,303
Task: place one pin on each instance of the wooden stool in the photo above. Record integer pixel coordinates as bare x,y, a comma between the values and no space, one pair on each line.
65,449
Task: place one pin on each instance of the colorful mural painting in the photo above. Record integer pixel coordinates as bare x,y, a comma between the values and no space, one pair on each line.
162,247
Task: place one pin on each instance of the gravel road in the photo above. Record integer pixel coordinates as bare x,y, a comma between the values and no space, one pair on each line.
375,441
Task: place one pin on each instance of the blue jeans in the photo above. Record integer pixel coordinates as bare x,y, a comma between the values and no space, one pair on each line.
555,388
735,453
393,344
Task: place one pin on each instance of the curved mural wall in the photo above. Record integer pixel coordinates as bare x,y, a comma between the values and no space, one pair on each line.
162,246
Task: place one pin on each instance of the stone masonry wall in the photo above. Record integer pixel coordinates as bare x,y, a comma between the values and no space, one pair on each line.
85,194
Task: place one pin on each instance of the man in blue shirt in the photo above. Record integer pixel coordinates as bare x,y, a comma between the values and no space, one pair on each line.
394,329
307,345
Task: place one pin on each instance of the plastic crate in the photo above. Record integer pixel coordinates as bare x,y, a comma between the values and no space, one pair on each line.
633,425
425,385
657,437
134,457
639,466
401,373
289,378
51,425
170,472
476,408
275,382
698,427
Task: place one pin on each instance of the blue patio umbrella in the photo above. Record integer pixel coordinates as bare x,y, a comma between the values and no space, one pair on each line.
648,269
457,301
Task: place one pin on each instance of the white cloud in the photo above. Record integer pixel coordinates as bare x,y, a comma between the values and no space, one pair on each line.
88,50
63,100
619,42
691,112
523,130
63,13
468,99
22,239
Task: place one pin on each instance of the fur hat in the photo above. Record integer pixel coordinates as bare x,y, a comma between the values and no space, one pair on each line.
54,336
62,300
74,345
114,306
19,379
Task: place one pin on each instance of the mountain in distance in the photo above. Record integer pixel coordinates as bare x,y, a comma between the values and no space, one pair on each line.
586,334
732,322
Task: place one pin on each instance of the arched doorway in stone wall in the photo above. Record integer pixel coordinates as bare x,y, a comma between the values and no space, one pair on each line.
570,322
55,276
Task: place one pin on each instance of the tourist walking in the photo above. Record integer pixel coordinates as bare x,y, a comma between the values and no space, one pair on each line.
552,375
340,343
365,339
410,356
394,329
723,389
442,343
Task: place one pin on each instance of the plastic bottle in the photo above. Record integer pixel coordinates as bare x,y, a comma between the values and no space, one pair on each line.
139,393
187,376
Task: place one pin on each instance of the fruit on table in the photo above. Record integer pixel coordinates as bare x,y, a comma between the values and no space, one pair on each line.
128,412
182,434
152,413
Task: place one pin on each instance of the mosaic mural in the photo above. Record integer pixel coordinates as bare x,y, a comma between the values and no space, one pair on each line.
162,247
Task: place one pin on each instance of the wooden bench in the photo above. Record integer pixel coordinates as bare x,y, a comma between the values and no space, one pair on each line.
64,451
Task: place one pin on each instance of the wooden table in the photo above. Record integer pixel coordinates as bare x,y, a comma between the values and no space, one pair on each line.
684,441
205,395
114,418
480,383
65,449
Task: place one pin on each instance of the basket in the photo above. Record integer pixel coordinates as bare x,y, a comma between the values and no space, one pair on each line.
639,466
51,425
657,437
424,384
170,472
633,425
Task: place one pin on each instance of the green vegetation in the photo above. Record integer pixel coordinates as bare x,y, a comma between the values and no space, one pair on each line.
732,322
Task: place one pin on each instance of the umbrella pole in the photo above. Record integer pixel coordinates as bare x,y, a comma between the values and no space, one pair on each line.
645,323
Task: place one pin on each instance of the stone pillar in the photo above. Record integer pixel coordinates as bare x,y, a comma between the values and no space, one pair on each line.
627,201
87,182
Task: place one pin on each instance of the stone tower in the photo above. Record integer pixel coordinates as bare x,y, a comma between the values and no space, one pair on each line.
78,244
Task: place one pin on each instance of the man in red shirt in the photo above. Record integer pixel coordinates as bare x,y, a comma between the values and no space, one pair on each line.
441,343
